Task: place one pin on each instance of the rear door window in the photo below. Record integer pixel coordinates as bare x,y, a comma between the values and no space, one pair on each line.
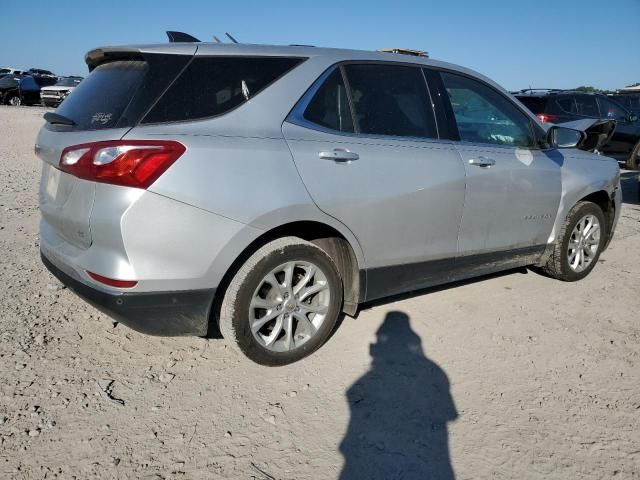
329,107
391,100
611,110
485,116
212,86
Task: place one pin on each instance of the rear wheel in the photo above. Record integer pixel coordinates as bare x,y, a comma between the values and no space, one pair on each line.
578,244
633,162
16,101
283,303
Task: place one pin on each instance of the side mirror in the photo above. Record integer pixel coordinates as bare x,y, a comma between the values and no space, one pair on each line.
562,137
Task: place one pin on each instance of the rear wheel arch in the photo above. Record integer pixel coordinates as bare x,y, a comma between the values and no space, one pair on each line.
328,238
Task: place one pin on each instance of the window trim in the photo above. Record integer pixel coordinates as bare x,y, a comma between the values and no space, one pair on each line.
296,116
537,133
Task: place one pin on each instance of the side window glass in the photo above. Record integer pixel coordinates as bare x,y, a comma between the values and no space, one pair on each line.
611,111
212,86
391,100
330,105
484,115
587,106
567,104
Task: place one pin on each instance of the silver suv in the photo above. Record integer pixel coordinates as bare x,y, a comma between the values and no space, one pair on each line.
268,189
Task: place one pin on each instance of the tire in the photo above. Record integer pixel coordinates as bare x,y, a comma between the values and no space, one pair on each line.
558,265
633,162
15,101
286,337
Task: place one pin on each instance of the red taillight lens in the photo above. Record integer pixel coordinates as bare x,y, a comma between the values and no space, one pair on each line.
130,163
545,118
112,282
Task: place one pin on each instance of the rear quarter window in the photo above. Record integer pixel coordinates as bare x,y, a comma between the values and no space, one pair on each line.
535,104
212,86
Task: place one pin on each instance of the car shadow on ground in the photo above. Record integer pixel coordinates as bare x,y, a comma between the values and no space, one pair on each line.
438,288
399,411
630,182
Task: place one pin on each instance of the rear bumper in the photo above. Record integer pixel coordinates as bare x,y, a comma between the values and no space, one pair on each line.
153,313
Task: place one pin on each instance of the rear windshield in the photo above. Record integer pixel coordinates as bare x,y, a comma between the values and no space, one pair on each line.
535,104
212,86
100,100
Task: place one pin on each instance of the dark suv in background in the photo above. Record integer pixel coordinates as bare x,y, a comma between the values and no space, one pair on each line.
630,101
559,106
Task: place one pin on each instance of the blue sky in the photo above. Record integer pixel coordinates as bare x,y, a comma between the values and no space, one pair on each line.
545,43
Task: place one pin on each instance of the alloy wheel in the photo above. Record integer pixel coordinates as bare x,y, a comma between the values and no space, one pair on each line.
583,243
289,305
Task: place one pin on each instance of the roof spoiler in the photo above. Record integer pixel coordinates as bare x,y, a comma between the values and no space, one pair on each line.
99,55
181,37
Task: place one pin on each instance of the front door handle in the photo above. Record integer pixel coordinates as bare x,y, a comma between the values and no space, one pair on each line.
339,155
482,162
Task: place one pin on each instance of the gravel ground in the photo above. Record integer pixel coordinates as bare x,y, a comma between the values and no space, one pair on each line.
512,376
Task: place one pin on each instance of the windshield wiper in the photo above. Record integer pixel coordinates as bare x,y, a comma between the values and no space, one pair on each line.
57,119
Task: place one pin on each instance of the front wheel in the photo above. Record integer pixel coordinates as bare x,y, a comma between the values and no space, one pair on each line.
16,101
578,244
283,303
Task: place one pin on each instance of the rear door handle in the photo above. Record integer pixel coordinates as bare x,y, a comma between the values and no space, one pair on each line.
339,155
482,162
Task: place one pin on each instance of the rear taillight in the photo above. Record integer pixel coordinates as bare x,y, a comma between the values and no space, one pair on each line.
546,118
130,163
112,282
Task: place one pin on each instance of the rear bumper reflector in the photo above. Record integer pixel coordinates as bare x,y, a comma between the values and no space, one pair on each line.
111,281
155,313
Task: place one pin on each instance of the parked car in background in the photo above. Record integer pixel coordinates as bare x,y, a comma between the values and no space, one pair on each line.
268,188
39,72
560,106
19,90
53,95
631,101
14,71
22,89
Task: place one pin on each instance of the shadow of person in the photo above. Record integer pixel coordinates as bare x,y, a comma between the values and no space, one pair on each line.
399,411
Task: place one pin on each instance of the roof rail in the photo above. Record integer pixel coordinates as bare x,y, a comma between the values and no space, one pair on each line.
526,90
405,51
556,90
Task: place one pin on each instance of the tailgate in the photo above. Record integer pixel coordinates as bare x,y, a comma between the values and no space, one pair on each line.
66,201
122,86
